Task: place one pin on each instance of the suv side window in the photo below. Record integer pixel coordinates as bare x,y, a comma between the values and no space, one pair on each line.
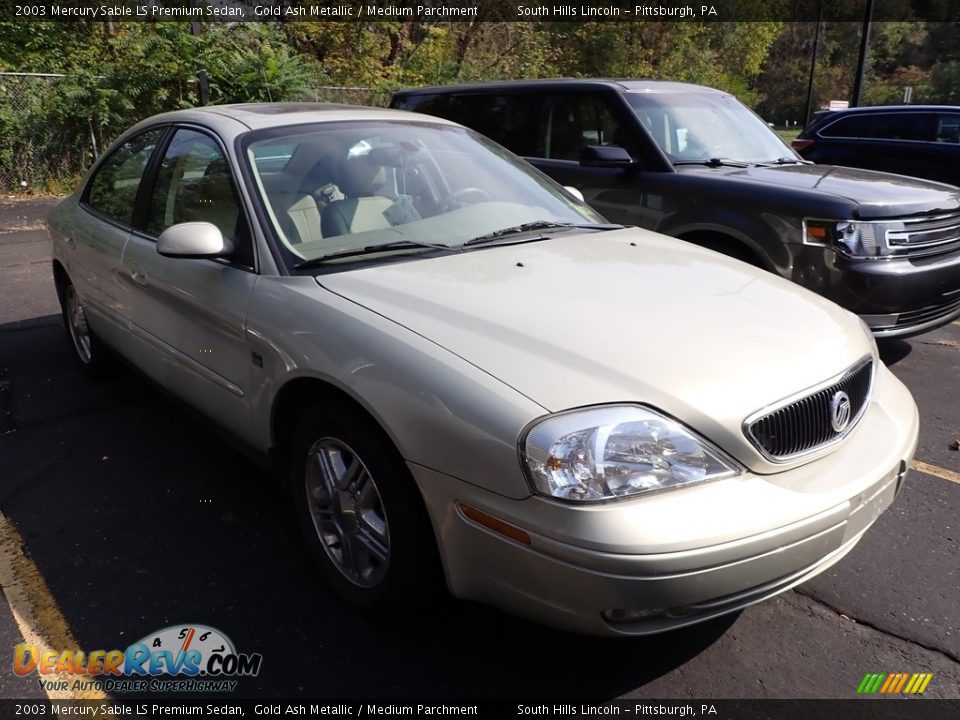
571,122
427,104
882,126
194,185
508,119
948,128
113,188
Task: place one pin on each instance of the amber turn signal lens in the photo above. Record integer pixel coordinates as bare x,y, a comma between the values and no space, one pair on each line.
492,523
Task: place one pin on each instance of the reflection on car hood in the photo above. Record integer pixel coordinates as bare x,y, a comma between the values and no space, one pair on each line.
620,316
878,194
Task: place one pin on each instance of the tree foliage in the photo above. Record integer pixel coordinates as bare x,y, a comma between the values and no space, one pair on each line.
117,73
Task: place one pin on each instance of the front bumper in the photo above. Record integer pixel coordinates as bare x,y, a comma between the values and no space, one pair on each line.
636,567
896,297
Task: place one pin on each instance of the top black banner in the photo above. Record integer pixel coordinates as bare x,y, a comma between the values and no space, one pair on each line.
471,11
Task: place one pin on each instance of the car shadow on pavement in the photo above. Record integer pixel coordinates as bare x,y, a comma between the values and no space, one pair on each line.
893,351
139,517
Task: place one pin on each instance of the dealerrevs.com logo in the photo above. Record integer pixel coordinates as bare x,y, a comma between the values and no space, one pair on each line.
180,658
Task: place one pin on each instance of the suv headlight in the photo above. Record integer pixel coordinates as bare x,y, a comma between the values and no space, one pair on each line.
855,239
877,239
617,451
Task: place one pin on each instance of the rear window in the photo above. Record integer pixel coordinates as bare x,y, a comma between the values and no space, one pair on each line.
113,187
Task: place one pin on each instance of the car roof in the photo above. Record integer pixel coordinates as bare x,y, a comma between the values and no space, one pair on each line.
255,116
868,109
617,85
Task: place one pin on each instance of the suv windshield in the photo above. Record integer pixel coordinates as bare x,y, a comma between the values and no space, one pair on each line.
700,127
350,192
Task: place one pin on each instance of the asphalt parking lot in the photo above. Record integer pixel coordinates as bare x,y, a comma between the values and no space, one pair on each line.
122,514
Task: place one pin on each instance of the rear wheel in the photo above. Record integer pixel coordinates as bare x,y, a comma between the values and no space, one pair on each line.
88,351
361,513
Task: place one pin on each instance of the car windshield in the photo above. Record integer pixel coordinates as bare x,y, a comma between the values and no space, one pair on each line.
347,192
705,127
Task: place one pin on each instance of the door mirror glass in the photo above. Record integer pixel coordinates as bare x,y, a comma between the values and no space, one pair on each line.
193,240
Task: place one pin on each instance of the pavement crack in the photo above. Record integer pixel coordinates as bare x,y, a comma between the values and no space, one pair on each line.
867,624
940,343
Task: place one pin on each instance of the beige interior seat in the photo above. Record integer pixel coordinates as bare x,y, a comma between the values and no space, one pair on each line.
304,217
361,179
355,215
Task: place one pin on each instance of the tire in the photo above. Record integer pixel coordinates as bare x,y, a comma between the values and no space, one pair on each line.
361,513
91,355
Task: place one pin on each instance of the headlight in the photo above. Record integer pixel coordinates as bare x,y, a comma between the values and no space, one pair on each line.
877,239
617,451
855,239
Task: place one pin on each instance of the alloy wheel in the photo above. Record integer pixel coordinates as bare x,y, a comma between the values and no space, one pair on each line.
347,512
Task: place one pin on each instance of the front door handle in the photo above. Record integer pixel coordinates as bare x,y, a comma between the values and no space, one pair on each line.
138,275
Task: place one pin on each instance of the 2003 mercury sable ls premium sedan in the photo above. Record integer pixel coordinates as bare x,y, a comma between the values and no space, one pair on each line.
468,376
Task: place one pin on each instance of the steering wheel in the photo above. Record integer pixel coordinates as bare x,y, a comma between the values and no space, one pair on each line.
459,198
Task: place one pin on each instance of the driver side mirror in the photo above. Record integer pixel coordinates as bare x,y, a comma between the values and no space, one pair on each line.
193,240
605,156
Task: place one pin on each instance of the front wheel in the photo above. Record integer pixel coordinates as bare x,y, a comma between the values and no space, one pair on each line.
361,513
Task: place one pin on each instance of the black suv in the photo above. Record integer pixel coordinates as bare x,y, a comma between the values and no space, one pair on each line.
695,163
916,140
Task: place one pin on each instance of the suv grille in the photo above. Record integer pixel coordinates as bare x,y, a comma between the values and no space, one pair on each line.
926,235
806,425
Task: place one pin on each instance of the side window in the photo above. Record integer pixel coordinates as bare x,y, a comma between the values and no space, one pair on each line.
571,122
427,104
848,127
948,129
888,126
113,188
194,184
507,119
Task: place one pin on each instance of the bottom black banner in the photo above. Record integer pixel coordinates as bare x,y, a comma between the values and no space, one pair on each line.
885,709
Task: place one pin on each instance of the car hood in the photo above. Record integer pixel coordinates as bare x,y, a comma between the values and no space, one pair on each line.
878,194
621,316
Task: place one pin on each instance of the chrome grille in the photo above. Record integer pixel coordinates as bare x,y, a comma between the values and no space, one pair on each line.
931,312
804,425
925,235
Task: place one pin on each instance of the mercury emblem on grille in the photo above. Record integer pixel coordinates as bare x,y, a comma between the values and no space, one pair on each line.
839,411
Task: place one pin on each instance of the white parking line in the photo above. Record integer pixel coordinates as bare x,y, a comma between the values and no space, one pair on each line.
942,473
36,612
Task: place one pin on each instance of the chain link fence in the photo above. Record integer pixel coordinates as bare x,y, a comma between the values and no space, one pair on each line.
35,154
345,95
39,154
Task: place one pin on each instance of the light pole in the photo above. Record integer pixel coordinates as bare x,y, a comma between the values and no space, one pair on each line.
862,57
813,65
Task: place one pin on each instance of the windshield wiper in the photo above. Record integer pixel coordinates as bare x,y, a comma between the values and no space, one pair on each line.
783,161
540,225
369,250
714,162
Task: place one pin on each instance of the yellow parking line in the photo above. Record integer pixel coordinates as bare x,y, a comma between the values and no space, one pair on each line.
939,472
36,612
